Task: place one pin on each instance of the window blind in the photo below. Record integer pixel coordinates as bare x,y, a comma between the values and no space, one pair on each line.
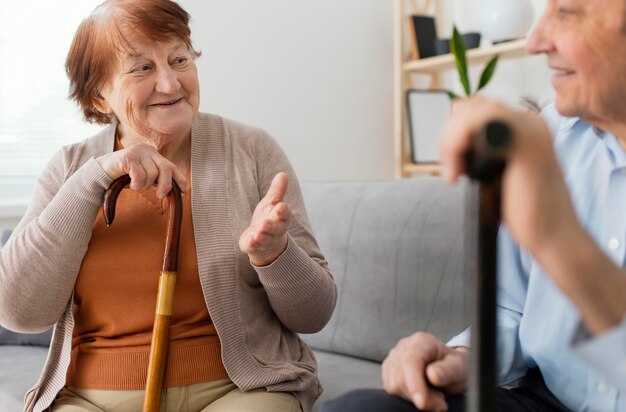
36,116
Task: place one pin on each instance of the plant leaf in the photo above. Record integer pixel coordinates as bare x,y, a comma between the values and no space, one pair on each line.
457,47
452,95
488,71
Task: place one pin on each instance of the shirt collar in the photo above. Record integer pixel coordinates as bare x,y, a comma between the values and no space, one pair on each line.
616,152
568,123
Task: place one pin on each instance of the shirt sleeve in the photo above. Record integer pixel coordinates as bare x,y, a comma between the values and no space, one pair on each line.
462,339
605,353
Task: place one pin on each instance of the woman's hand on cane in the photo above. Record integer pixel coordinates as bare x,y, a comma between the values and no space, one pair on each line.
146,167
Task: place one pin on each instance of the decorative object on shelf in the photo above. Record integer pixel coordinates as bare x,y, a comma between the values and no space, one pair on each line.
423,35
421,29
427,111
457,46
502,21
442,46
406,70
471,40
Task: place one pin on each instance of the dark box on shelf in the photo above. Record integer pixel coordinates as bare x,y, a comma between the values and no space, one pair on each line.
423,35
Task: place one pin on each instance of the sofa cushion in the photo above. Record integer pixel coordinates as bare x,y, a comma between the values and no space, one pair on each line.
4,237
20,367
395,249
340,374
8,337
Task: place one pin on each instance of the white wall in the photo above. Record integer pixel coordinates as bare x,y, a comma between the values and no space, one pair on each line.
318,75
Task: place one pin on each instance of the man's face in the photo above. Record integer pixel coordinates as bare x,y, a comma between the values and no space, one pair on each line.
585,42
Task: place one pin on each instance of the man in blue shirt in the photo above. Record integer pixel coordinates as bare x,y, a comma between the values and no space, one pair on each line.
562,283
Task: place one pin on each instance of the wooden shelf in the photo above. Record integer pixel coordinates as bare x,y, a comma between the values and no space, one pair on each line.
515,48
432,68
432,169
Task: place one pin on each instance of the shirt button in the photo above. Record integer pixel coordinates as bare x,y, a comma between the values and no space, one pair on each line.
602,388
613,243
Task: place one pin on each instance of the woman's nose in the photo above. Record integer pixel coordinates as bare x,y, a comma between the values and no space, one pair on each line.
167,82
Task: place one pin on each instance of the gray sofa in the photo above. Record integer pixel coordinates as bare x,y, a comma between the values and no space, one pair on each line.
396,251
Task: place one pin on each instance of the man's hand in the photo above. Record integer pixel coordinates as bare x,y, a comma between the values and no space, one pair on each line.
266,237
536,206
422,369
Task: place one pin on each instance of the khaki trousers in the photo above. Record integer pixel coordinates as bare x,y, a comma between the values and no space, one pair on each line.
213,396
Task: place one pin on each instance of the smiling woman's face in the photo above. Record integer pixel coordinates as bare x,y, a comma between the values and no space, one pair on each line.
154,93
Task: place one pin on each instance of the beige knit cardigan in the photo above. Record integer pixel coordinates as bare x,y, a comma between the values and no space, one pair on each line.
257,311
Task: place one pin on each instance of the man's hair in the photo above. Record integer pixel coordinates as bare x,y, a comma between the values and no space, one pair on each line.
105,33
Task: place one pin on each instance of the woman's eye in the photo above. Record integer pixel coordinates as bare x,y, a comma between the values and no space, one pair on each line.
181,60
141,69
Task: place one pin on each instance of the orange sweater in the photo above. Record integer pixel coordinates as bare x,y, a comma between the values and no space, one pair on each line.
115,297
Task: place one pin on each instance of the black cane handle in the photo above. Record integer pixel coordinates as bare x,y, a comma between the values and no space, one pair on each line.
487,156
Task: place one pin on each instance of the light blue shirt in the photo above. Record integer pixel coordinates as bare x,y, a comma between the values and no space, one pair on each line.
538,327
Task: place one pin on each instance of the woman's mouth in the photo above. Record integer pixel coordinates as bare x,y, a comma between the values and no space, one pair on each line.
167,103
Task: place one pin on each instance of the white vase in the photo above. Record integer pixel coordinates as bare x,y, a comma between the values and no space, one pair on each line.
502,20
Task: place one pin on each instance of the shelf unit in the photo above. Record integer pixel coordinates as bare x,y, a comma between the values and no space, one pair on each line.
432,67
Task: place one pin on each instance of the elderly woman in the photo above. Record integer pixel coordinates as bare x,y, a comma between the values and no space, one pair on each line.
250,277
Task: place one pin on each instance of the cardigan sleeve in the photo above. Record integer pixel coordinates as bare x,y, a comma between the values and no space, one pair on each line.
40,262
299,285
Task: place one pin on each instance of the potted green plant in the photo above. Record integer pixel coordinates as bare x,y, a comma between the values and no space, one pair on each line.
458,49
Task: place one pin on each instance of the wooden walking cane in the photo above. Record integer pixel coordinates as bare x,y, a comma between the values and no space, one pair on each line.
165,295
485,165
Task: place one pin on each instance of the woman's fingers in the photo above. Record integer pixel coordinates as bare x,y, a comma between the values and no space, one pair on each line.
277,189
164,183
137,174
180,178
151,169
146,167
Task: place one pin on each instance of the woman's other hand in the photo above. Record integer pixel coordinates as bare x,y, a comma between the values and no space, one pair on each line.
266,237
145,166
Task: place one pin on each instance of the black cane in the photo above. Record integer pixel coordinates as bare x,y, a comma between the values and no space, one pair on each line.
485,163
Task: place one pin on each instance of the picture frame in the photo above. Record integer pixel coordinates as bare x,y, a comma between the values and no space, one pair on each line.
427,114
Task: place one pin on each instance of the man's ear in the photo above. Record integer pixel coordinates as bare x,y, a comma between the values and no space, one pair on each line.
100,103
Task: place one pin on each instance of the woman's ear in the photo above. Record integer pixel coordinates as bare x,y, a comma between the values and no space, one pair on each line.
100,104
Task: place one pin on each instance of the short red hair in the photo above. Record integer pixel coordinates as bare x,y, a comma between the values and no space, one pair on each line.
100,38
